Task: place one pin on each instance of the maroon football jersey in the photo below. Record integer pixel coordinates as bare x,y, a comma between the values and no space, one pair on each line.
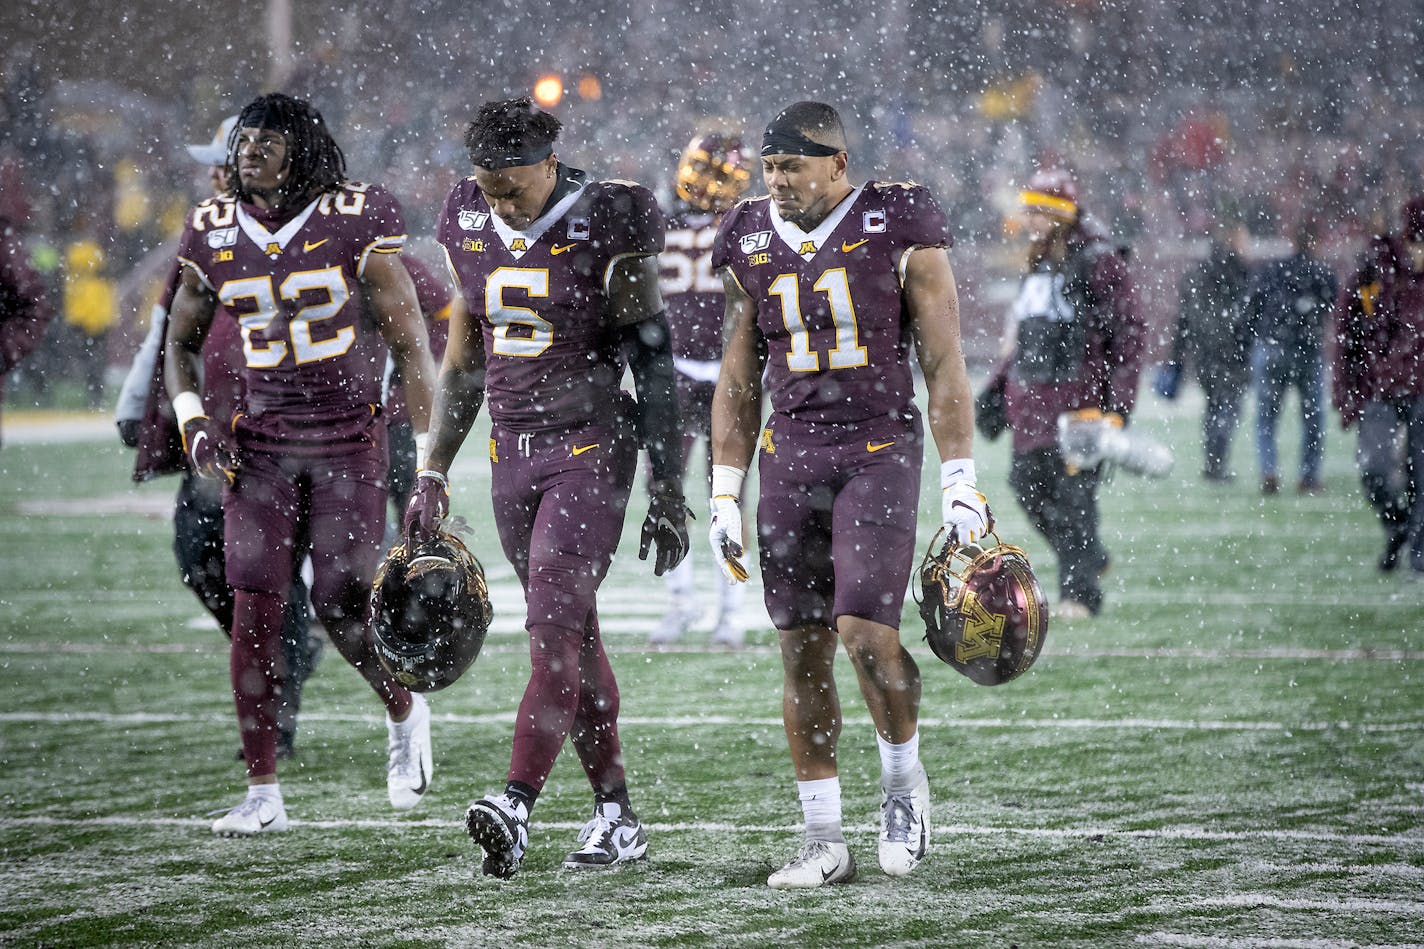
312,366
691,291
830,302
541,296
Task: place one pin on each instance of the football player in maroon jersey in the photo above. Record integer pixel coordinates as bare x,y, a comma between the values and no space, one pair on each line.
558,290
712,174
828,286
146,422
290,253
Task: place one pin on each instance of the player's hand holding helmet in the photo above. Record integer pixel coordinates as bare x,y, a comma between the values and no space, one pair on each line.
210,458
430,611
984,611
428,505
725,534
964,512
665,527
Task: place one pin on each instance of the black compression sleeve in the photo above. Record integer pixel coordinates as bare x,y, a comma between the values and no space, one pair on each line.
648,348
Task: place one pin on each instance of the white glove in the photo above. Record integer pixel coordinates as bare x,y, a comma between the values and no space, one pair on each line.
725,533
963,510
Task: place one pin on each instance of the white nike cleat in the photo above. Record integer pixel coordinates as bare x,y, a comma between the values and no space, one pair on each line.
904,827
500,826
817,863
256,814
411,761
613,836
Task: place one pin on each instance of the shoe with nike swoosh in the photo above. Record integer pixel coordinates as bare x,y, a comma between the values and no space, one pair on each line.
613,836
256,814
499,824
411,760
817,863
904,827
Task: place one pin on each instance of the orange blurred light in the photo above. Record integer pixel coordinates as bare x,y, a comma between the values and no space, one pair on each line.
548,91
589,88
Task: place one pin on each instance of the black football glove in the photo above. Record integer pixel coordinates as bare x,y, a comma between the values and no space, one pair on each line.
128,431
666,528
210,458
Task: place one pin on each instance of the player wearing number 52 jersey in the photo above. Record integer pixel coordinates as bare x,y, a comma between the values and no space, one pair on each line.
828,286
290,253
558,289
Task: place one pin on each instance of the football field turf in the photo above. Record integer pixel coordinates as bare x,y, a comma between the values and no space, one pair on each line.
1231,755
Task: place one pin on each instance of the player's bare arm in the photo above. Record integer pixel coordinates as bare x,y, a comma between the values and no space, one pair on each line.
188,321
461,388
393,302
736,405
933,303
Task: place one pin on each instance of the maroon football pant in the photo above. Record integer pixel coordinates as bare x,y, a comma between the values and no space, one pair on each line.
559,500
337,501
836,518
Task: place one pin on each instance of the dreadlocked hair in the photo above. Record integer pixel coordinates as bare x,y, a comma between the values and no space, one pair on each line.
510,125
315,162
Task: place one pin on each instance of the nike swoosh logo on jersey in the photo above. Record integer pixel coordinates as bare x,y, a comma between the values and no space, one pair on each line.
309,246
874,448
557,250
579,451
847,248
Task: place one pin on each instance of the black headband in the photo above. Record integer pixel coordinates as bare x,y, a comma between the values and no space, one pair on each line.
789,141
497,158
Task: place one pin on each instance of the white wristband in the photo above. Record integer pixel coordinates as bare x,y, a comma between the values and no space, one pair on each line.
727,481
958,471
422,445
186,407
433,475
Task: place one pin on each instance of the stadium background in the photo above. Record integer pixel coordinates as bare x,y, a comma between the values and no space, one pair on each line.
1171,113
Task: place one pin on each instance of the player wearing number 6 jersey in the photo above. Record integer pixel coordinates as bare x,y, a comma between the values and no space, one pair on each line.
558,288
828,286
290,253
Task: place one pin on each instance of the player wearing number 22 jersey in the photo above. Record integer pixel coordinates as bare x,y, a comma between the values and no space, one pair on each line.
307,263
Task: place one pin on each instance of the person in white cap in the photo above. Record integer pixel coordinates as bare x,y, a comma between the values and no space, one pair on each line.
145,422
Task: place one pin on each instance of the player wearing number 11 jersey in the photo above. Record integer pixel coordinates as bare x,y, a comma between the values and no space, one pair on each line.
290,253
828,287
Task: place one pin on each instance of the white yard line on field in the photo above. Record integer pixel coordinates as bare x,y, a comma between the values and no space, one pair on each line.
697,721
714,827
217,644
1193,941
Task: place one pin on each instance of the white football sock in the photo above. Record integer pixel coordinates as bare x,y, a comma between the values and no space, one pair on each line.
821,806
899,764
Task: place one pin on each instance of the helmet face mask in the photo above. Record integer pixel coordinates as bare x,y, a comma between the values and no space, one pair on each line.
429,612
984,611
713,172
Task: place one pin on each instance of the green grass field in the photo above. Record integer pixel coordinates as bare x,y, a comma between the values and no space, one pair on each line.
1231,755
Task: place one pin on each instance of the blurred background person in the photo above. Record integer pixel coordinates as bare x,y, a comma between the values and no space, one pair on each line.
1076,344
24,305
1379,381
1210,341
91,305
1286,305
712,174
145,421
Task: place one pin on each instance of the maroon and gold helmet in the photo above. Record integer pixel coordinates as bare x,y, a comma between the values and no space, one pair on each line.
984,612
430,611
713,171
